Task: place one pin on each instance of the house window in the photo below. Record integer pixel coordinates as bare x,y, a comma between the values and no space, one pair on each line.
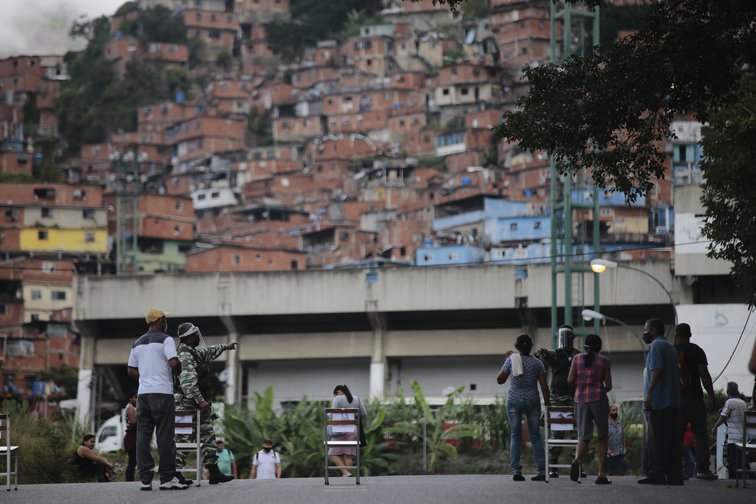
42,235
200,197
36,294
176,230
58,295
258,257
48,267
89,236
465,91
44,194
237,259
294,265
513,226
2,309
537,225
198,16
88,213
215,195
179,206
46,212
445,91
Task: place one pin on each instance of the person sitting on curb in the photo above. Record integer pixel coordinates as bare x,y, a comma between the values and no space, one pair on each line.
89,464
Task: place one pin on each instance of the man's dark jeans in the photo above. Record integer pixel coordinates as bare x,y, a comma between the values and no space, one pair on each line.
156,412
693,410
665,452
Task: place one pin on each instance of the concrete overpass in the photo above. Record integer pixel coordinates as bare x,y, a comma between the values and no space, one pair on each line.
305,331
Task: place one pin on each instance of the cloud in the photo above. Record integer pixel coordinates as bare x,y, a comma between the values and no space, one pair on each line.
41,26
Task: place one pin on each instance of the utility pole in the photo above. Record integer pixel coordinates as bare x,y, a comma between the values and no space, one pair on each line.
565,196
127,189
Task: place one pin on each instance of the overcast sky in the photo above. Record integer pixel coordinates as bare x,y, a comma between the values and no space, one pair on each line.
41,26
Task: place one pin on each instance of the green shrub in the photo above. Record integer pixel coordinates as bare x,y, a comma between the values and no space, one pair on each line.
43,445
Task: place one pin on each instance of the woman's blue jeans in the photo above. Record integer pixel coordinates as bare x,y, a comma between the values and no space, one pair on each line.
531,408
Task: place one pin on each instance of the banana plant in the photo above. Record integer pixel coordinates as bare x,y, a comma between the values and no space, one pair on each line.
441,429
245,429
376,457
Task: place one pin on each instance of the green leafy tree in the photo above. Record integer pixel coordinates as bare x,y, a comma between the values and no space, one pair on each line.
314,20
612,110
223,60
127,7
177,79
729,190
160,24
197,52
355,20
475,9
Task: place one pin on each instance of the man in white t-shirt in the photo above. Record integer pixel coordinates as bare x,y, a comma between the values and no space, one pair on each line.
153,361
266,463
733,414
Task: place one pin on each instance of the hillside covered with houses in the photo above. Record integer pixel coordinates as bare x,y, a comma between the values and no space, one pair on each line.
275,135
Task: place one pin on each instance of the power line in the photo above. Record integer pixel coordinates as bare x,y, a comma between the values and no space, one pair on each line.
498,261
750,311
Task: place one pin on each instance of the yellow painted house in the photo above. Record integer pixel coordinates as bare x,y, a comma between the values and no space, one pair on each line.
66,229
93,241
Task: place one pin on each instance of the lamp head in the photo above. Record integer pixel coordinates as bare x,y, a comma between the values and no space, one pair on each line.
591,314
601,265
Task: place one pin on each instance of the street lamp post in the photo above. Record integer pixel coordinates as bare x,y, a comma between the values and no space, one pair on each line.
594,315
601,265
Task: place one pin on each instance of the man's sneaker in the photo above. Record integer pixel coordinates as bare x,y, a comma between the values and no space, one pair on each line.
174,484
708,475
145,486
554,474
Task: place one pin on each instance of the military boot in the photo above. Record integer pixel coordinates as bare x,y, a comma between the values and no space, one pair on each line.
216,476
183,480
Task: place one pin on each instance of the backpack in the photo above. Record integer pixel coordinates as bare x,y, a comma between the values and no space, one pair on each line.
256,459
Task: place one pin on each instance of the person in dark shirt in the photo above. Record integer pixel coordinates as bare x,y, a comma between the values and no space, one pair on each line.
562,392
90,465
695,371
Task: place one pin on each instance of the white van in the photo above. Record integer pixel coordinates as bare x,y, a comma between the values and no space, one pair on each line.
109,437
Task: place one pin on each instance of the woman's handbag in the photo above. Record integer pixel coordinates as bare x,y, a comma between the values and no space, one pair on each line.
363,440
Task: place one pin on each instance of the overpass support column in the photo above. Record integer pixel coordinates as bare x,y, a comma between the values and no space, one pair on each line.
84,393
378,357
233,369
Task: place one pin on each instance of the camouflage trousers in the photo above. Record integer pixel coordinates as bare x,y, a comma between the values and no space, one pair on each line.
207,438
556,451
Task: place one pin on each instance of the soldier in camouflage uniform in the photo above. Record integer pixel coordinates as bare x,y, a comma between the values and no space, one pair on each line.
195,360
562,393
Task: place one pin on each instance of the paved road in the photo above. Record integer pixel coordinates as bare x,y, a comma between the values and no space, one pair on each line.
463,489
